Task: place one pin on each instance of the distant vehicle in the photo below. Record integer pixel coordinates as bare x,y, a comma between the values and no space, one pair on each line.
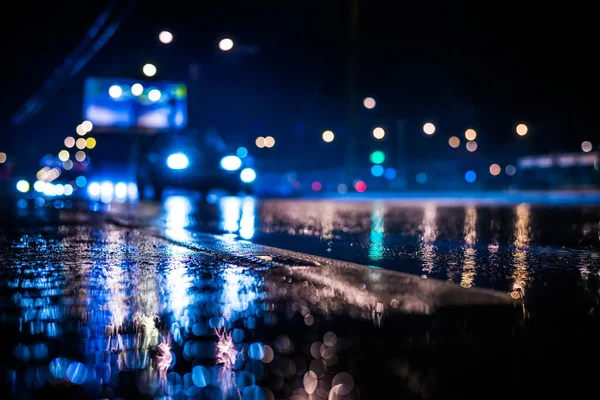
187,160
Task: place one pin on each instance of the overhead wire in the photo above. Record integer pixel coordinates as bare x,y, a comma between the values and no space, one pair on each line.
96,37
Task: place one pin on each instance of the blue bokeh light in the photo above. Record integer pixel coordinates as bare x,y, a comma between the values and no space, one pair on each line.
421,178
377,170
242,152
470,176
390,173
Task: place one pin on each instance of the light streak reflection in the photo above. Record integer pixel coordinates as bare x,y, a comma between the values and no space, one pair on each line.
429,236
376,236
469,252
520,244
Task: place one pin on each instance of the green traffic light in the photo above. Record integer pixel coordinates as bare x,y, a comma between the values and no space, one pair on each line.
377,157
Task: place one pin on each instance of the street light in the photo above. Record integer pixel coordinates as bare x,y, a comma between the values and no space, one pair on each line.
226,44
470,134
165,37
369,103
378,133
522,129
149,70
328,136
586,146
429,128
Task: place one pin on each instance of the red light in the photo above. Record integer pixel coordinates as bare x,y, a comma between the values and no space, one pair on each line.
316,186
360,186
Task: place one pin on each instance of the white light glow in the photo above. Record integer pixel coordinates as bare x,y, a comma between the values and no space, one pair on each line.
165,37
154,95
149,70
231,163
94,189
248,175
178,161
137,89
121,190
226,44
115,92
23,186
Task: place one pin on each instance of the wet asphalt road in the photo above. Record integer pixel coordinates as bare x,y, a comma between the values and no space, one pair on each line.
134,302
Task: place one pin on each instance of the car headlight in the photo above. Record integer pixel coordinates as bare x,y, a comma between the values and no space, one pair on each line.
178,161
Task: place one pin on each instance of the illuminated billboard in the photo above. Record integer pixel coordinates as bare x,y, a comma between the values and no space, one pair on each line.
115,105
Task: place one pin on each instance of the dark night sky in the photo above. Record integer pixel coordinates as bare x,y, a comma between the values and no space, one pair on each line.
484,64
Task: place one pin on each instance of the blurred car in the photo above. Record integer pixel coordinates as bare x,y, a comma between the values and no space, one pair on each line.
198,162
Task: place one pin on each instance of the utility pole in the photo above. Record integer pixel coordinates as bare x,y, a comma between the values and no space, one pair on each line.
351,145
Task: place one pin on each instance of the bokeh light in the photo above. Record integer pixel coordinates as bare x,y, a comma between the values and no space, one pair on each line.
328,136
495,169
87,126
421,178
260,142
154,95
80,156
429,128
80,130
81,181
248,175
226,44
390,173
316,186
165,37
471,146
63,155
377,157
23,186
470,134
377,170
342,188
231,163
80,143
69,142
137,89
510,170
470,176
242,152
522,129
149,70
2,158
115,92
360,186
369,103
269,141
454,142
586,146
90,143
378,133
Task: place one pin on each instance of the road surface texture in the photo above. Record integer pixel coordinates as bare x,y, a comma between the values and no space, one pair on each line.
135,301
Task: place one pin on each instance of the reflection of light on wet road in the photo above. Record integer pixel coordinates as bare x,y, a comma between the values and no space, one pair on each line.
377,245
177,214
428,250
115,284
238,216
520,243
240,289
230,208
248,218
178,284
469,254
